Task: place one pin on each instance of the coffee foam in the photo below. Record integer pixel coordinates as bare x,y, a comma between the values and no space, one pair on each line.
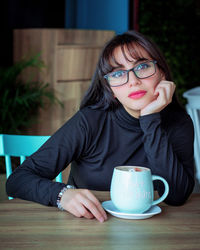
132,168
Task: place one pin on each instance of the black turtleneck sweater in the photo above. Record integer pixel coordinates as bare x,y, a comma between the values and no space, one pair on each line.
96,141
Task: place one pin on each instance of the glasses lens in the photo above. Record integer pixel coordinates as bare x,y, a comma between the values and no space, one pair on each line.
145,69
142,70
117,78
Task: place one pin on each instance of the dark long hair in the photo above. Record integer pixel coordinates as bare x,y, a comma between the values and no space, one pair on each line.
99,94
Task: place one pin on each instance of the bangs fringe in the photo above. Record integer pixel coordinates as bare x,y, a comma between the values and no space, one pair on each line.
132,49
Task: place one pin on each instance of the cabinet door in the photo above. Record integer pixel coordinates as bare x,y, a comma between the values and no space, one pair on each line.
75,62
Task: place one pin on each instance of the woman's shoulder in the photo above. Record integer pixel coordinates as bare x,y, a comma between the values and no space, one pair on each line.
87,120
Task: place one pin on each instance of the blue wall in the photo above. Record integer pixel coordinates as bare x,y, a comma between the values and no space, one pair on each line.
98,14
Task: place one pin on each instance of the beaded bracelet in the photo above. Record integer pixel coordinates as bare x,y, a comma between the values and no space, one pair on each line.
61,194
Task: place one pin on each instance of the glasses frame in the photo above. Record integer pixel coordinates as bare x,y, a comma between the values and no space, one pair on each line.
133,70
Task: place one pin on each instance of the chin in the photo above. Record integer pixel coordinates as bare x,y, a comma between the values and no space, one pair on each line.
138,107
141,105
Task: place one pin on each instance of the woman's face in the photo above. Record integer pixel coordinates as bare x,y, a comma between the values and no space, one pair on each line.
136,93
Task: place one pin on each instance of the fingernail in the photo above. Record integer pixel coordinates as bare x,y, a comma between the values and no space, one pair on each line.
101,219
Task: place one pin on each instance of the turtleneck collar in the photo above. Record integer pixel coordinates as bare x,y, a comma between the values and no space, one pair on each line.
124,119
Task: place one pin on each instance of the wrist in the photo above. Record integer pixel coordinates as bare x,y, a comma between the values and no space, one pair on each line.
62,191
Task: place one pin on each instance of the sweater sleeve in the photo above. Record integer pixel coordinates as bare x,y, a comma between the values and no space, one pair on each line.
169,151
33,180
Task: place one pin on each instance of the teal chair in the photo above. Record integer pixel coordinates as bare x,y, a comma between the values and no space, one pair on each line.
20,146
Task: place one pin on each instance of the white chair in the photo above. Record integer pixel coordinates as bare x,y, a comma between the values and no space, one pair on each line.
193,109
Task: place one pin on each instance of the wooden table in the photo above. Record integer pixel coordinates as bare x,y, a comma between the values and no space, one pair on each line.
27,225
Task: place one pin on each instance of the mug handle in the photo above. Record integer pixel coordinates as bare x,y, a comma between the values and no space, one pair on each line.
156,177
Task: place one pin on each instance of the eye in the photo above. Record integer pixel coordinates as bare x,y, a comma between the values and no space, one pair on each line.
118,74
143,66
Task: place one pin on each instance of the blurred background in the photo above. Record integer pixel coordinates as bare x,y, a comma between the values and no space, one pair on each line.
49,49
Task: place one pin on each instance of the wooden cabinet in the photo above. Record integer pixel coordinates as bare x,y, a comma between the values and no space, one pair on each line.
70,57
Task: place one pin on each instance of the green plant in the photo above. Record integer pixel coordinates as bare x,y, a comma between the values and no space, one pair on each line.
174,25
20,100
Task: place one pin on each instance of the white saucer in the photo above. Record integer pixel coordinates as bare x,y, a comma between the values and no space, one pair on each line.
110,208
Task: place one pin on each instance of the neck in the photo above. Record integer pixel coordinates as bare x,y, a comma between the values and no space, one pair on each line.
134,113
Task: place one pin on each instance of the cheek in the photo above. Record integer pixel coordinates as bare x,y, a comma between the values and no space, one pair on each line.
154,83
117,91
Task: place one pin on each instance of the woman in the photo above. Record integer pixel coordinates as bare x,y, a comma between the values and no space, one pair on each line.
129,116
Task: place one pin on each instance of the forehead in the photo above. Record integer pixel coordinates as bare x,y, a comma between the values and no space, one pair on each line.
128,53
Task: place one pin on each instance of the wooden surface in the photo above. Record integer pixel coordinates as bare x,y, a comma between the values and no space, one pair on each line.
70,57
27,225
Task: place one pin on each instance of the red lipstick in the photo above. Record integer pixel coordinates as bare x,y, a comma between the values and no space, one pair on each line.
137,94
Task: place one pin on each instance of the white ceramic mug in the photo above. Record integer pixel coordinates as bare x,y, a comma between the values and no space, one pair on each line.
132,189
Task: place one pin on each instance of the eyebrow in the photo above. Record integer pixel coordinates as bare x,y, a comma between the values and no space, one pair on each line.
142,59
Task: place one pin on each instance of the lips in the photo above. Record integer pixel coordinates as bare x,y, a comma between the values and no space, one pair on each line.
137,94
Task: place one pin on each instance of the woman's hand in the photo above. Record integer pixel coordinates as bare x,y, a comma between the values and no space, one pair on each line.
163,96
82,203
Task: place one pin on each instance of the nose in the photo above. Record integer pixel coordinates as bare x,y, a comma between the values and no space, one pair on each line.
133,80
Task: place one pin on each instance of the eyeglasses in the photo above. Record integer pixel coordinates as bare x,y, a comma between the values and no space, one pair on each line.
141,71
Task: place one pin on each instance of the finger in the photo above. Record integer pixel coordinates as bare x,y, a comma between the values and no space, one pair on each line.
163,93
168,87
167,84
96,202
75,207
83,212
162,98
74,211
91,206
78,210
